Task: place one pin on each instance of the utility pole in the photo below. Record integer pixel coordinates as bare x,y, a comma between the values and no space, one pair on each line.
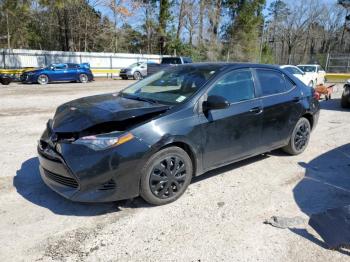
261,41
346,5
8,30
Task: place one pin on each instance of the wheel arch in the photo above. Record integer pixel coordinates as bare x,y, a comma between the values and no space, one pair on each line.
310,118
188,149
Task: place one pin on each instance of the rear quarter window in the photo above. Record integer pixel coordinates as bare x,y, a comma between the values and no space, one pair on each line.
273,82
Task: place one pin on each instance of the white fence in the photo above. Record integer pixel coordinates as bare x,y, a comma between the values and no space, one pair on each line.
22,58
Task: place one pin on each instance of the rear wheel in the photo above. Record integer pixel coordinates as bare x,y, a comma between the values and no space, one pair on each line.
5,81
43,79
83,78
166,176
344,102
300,137
137,75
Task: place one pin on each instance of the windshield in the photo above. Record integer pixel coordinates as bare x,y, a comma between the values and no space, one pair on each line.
308,69
135,65
171,86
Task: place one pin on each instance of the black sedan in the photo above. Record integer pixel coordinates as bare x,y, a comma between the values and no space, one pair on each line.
151,138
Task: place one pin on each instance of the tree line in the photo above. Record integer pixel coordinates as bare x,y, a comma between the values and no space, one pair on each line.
206,30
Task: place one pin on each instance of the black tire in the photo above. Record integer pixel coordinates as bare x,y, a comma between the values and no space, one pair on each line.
299,138
344,102
166,176
83,78
43,79
124,78
5,81
137,75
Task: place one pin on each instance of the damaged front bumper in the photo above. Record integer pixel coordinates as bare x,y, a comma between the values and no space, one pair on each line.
85,175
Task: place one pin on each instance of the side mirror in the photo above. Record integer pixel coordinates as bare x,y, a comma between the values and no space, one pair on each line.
215,102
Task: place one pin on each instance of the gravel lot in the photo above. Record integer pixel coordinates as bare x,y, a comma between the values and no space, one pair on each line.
220,217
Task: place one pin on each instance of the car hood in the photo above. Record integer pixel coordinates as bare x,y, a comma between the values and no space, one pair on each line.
310,73
126,69
34,71
102,113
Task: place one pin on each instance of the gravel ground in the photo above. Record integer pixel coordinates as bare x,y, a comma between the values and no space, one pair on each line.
220,217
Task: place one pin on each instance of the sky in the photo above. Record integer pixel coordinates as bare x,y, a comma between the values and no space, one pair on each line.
136,22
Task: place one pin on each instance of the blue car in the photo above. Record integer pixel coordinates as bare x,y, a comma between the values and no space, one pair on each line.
59,72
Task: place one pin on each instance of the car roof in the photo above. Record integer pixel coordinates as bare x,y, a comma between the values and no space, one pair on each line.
284,66
227,65
308,65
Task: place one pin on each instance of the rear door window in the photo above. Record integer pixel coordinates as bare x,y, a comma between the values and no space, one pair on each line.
235,86
271,82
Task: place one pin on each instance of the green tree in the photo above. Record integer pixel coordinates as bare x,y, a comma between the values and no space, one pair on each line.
164,20
244,32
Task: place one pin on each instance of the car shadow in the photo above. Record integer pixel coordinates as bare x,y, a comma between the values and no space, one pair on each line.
30,186
326,183
333,105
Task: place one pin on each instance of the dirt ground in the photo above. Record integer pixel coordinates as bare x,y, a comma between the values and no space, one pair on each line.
220,217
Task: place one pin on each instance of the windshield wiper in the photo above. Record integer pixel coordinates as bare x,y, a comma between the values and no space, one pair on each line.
139,98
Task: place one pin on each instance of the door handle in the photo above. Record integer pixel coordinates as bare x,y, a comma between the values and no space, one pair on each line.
256,110
296,99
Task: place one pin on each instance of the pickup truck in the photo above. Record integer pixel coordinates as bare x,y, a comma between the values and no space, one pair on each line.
167,62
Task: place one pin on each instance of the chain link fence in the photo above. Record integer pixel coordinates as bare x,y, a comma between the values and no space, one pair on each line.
338,63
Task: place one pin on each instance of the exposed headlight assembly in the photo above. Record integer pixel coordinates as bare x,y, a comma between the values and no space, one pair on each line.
101,142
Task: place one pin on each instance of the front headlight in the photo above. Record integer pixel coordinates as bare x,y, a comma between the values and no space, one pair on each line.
101,142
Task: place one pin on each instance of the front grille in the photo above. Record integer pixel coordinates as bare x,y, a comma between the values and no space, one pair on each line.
109,185
66,181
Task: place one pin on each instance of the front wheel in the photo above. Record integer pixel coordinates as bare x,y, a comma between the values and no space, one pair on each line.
137,75
299,138
43,79
83,78
166,176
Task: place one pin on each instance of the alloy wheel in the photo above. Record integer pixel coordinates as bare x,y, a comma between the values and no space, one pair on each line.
83,78
301,136
137,76
43,79
168,177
